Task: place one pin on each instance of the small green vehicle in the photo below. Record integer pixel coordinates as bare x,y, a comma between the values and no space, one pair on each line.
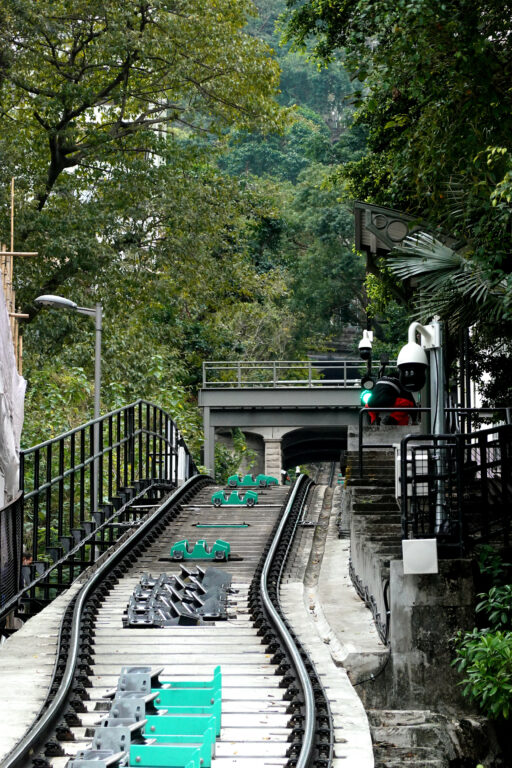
182,550
221,498
262,481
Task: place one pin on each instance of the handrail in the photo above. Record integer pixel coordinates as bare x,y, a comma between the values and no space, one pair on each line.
73,485
230,374
436,474
86,424
458,410
11,542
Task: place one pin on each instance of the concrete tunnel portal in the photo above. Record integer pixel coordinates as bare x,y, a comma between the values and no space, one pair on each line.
303,446
270,451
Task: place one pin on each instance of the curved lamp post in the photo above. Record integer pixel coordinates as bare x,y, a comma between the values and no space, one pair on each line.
59,302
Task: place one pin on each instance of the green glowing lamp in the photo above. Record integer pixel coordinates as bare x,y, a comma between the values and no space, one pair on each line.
365,396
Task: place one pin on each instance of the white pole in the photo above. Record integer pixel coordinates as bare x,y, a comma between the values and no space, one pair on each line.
97,396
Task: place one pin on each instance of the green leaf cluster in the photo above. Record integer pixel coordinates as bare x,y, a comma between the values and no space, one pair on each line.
484,655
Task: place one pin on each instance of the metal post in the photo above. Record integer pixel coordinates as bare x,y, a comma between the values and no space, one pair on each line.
437,407
209,443
97,393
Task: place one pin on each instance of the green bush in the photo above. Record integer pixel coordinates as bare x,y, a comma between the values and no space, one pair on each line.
229,461
484,656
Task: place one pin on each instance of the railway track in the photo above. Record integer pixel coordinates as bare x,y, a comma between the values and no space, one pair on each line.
274,708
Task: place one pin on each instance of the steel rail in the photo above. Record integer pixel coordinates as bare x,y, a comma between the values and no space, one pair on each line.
44,721
281,628
281,571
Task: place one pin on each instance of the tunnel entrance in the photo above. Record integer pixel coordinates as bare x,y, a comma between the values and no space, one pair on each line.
306,445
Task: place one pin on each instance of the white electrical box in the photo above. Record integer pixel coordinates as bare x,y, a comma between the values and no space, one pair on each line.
420,556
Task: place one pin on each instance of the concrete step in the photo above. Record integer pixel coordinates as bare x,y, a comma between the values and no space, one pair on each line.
389,551
367,482
373,454
403,717
383,533
427,735
410,756
373,466
412,762
374,506
379,518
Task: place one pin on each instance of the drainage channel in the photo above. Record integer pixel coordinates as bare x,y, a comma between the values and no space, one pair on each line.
273,709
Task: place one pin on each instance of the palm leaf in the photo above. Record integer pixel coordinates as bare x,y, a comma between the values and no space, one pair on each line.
450,283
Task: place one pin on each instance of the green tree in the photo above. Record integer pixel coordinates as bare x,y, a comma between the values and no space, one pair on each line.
436,109
113,91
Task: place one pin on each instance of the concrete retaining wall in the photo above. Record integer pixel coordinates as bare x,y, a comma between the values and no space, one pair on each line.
426,612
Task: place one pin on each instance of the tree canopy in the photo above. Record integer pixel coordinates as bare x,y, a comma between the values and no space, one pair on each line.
436,104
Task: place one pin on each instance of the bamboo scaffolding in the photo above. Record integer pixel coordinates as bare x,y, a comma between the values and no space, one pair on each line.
7,275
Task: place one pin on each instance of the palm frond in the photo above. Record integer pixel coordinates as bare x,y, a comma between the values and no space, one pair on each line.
450,283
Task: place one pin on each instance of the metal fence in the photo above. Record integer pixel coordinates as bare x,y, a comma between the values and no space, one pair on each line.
454,416
11,537
284,373
457,488
75,484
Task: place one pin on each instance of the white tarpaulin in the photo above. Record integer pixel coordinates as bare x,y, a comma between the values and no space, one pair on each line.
12,394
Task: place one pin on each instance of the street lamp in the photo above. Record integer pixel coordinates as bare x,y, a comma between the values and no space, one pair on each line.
59,302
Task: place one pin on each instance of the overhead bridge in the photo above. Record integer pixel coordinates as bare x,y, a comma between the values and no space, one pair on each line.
289,410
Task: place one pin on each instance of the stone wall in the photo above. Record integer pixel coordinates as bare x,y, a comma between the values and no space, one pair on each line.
273,457
426,612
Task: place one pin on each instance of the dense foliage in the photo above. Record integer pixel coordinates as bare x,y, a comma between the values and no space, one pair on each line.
484,655
436,103
160,170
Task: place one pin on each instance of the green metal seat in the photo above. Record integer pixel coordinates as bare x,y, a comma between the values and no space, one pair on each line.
191,701
165,756
215,683
203,746
182,729
181,550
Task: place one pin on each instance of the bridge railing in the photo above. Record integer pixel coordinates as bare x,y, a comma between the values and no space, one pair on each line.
225,374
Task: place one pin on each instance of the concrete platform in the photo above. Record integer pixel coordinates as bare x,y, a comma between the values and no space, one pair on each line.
343,621
27,661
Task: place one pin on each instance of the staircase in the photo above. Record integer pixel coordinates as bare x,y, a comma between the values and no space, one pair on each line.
411,739
374,524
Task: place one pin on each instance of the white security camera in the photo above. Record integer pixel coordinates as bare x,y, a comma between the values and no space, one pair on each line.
412,364
365,345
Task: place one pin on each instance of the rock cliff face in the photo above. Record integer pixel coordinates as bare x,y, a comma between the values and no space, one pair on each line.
417,715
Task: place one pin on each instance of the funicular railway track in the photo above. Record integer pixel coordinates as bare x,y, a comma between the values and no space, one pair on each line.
274,709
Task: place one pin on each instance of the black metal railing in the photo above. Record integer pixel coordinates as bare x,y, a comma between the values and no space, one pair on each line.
456,414
364,415
11,539
457,488
75,485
